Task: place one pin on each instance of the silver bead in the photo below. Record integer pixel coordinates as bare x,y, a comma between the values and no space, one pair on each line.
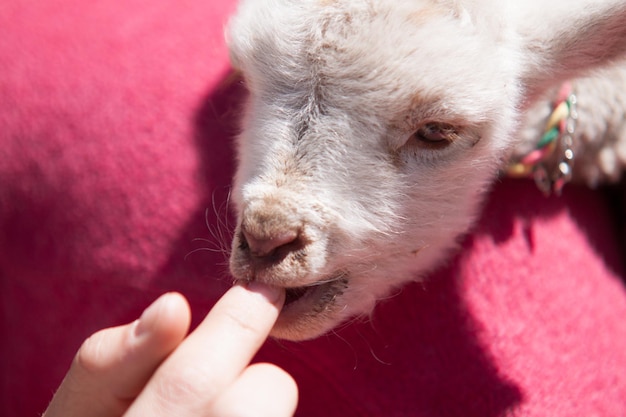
568,155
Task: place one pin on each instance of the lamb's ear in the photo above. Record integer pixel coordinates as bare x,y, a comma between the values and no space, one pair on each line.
564,39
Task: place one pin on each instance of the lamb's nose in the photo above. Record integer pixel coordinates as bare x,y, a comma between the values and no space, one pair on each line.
262,246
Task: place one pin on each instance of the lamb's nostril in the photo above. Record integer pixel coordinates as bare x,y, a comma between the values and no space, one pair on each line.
267,246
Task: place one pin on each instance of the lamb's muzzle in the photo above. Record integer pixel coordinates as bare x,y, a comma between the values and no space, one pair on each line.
281,245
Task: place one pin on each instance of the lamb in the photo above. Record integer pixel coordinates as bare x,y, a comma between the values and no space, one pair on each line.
374,127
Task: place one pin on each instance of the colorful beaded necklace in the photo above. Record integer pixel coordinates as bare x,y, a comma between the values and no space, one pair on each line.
558,136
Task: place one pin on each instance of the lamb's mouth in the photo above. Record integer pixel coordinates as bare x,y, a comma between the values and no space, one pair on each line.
314,299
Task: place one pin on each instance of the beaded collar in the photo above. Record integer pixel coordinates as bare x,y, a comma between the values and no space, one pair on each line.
556,141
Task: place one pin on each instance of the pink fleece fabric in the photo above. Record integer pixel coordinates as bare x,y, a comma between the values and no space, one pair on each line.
116,126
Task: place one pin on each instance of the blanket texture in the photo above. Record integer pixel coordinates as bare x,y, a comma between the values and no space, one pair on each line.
116,126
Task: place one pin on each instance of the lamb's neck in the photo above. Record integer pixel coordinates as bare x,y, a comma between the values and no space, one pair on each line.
599,139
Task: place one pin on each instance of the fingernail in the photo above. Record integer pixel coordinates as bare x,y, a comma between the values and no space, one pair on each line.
150,315
272,294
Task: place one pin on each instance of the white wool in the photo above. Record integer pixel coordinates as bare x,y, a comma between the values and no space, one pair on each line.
337,90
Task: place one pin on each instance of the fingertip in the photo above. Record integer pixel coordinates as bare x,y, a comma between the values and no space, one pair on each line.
169,316
274,295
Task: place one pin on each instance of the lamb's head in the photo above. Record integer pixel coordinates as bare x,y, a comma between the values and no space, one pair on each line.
371,130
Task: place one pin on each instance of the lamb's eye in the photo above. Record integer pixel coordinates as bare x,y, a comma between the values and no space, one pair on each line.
435,135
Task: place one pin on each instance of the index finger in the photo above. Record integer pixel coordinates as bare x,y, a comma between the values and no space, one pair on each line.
214,355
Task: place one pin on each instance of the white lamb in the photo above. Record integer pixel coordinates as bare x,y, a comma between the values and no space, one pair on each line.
373,128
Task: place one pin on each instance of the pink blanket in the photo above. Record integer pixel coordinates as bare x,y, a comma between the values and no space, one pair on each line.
116,121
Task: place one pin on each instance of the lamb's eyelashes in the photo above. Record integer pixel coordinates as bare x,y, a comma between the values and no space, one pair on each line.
434,135
433,143
432,139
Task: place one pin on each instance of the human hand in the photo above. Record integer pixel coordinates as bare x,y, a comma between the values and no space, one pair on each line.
151,367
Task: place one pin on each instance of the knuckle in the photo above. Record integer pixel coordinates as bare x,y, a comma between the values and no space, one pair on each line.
281,379
92,356
245,322
187,387
269,391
